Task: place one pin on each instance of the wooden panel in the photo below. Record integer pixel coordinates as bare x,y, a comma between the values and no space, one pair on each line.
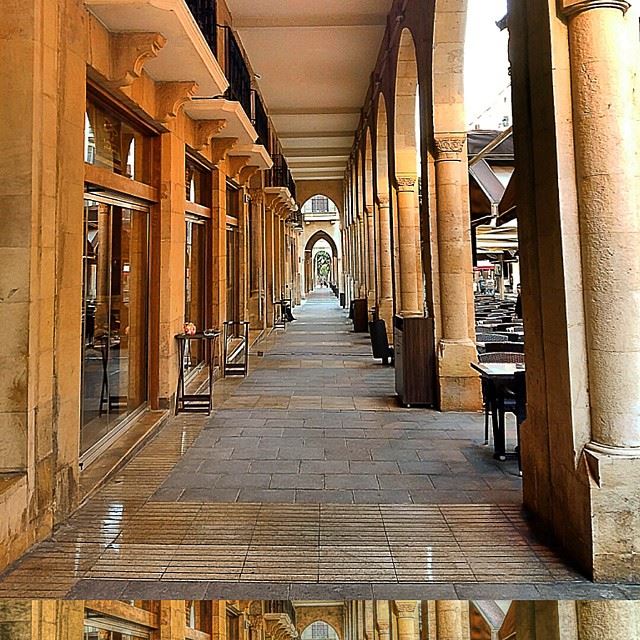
123,611
415,362
113,182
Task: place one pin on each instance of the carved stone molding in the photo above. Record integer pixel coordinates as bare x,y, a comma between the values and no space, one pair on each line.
572,8
450,146
220,147
204,132
129,53
406,183
235,165
405,608
279,626
170,97
383,202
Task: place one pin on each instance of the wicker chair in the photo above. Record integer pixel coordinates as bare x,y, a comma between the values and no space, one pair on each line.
506,357
489,337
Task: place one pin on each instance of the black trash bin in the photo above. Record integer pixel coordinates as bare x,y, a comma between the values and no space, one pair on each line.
380,341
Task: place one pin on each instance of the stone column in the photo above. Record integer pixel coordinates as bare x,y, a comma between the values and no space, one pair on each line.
171,619
459,385
449,619
406,611
409,227
371,254
606,143
256,250
383,254
382,619
608,620
269,266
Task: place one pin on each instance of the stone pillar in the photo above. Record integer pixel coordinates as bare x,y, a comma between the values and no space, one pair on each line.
382,619
408,227
256,251
606,143
371,254
41,619
172,620
450,620
383,255
269,266
459,384
608,620
406,611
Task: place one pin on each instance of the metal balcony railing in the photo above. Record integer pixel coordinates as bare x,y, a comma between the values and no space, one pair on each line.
205,13
237,72
260,120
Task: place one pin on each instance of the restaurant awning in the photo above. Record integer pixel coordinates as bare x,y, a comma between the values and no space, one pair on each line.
507,208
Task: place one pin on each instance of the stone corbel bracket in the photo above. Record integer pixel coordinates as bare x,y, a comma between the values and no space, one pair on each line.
171,97
129,53
279,626
247,173
220,147
205,130
235,165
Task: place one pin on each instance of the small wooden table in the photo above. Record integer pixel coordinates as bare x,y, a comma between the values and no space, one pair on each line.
499,375
195,402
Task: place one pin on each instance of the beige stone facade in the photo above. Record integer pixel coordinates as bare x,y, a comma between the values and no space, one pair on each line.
124,146
344,620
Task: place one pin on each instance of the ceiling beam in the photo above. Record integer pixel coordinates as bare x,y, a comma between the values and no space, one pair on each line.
315,111
299,22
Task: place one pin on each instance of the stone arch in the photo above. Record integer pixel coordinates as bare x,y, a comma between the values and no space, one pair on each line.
324,195
406,144
320,619
332,615
322,235
309,265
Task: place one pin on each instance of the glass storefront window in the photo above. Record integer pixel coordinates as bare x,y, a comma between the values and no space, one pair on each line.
115,144
104,633
195,286
115,326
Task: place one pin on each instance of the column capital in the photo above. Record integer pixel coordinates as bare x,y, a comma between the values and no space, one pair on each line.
572,8
406,183
257,196
449,146
383,202
405,608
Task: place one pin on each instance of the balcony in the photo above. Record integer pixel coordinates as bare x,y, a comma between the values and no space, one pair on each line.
237,72
281,606
187,56
205,13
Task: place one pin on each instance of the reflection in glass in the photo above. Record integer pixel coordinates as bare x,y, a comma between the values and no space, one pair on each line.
114,363
111,142
194,284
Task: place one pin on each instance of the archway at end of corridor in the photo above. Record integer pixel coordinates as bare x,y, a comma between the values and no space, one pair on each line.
321,258
319,630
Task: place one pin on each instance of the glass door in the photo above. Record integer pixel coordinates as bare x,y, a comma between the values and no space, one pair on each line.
115,326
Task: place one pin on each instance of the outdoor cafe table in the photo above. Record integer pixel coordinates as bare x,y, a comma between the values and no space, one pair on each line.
499,375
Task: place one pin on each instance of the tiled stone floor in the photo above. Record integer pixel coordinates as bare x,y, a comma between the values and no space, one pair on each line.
309,481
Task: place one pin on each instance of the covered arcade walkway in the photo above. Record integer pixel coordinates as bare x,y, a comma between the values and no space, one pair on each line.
308,473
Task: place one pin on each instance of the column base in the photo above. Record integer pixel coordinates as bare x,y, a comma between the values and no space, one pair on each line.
614,497
459,384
